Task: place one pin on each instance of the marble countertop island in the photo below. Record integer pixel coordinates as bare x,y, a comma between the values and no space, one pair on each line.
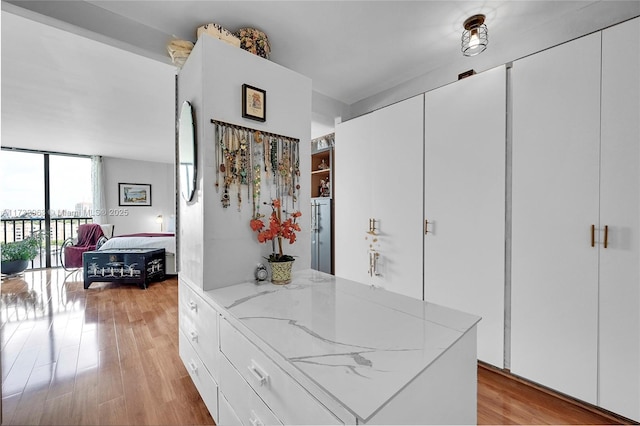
361,345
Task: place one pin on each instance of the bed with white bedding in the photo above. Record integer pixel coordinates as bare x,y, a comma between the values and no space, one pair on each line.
167,241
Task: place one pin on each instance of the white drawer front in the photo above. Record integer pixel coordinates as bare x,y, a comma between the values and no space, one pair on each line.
199,323
227,417
286,397
201,378
247,405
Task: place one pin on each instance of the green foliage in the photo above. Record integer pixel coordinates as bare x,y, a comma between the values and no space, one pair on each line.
26,249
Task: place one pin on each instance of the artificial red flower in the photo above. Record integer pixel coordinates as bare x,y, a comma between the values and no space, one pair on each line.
256,224
277,228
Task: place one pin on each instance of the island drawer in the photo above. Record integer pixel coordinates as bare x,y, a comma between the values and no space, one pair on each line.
292,403
201,378
226,415
247,405
199,323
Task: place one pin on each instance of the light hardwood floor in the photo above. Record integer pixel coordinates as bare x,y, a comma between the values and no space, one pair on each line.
109,355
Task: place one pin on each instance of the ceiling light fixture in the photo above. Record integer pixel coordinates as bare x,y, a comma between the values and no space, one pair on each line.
475,37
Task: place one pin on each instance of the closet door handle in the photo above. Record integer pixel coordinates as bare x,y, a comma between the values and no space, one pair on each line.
593,235
606,236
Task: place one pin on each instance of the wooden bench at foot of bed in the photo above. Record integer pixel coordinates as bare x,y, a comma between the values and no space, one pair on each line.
135,266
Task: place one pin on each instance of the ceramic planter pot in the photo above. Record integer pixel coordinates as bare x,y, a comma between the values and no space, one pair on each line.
13,267
281,272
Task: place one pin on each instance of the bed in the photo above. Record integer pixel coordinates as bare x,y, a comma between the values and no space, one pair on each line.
167,241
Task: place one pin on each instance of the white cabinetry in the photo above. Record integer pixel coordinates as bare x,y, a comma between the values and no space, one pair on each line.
381,164
556,128
376,358
576,183
216,245
619,290
464,192
198,343
245,363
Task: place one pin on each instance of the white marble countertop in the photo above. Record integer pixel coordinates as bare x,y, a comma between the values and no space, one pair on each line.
360,344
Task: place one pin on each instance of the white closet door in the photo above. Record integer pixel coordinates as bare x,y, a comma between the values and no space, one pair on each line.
465,203
620,211
352,197
556,132
397,164
379,175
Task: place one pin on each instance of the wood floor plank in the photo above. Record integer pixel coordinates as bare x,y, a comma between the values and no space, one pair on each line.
84,407
30,408
114,412
109,375
156,377
140,398
56,411
65,372
20,372
109,356
505,400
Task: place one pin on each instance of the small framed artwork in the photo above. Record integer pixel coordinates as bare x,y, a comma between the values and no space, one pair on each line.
134,194
254,103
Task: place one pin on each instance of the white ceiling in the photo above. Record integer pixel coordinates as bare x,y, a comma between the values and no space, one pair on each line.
74,85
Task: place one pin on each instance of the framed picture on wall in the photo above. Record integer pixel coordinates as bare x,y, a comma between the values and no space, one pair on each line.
134,194
254,103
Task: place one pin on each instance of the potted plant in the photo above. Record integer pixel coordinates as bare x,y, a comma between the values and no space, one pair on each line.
17,254
278,230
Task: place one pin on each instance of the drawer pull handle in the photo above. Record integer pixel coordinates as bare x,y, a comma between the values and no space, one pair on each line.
258,373
193,367
194,336
255,420
193,305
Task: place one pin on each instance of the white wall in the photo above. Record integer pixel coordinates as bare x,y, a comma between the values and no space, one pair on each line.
216,245
128,219
324,111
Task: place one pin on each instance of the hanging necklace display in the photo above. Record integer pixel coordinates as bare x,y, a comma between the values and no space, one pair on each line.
296,172
267,157
284,168
230,167
257,173
241,163
242,154
275,147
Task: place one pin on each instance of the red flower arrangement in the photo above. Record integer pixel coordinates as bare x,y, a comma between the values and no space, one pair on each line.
277,229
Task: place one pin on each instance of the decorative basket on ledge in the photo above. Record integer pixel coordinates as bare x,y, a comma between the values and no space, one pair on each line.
220,33
179,51
254,41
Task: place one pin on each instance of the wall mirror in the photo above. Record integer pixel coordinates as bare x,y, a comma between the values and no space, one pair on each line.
187,151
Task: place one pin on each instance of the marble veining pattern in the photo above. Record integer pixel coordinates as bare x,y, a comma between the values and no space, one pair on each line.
361,345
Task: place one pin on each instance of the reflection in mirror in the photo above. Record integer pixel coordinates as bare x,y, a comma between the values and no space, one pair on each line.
187,152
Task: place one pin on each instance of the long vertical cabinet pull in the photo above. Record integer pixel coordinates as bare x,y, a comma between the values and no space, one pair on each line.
593,235
373,263
606,236
373,254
